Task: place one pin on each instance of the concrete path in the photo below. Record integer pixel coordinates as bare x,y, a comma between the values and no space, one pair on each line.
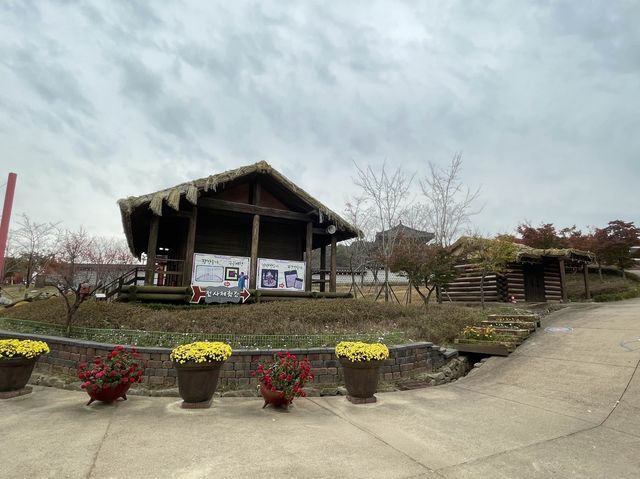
565,404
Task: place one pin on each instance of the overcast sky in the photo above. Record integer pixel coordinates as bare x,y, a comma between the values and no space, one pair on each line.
103,100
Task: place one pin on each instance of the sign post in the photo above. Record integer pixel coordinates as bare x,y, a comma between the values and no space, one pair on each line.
6,216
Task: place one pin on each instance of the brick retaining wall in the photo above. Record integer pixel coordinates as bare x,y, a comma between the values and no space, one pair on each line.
66,354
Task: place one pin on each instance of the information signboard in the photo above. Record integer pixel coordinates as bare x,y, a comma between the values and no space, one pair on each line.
220,270
281,274
216,270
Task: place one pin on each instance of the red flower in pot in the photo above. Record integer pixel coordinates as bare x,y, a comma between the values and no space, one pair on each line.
283,379
107,379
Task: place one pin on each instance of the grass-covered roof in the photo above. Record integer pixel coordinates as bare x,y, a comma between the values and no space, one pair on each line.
191,190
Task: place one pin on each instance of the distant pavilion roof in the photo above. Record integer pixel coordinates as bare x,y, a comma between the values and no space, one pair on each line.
406,232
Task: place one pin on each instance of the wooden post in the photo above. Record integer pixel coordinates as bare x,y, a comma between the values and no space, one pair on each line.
334,263
255,193
308,251
152,246
323,267
190,249
563,281
255,236
585,272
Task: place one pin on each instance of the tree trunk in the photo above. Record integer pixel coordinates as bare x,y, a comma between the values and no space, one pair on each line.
429,295
624,273
425,299
386,284
600,272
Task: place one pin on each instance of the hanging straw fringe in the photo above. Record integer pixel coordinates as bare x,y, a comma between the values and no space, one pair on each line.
192,194
155,204
173,199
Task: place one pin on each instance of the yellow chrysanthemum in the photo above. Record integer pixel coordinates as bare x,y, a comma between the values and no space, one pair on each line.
358,351
475,332
22,348
201,352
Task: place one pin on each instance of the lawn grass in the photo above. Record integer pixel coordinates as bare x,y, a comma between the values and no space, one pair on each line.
440,325
610,288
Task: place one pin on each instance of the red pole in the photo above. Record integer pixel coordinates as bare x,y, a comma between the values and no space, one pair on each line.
6,216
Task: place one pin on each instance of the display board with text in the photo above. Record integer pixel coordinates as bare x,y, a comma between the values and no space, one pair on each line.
281,274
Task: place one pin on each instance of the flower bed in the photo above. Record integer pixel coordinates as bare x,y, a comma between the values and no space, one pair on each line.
66,354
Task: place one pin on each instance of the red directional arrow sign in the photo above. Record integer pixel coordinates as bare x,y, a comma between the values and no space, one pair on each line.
244,294
198,294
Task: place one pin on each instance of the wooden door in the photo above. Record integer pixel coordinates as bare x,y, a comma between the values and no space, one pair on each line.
534,282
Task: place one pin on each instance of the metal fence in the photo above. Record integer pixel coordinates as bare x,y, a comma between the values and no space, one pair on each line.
172,339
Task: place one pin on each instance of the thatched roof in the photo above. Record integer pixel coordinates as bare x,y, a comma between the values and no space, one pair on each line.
190,191
569,254
524,253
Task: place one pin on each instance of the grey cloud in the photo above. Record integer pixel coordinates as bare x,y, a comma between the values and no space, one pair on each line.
40,66
539,96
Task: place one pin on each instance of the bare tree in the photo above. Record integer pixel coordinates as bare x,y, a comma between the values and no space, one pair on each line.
105,254
74,248
386,192
33,246
359,251
450,203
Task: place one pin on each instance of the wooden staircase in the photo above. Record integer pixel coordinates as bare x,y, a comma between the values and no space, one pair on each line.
109,291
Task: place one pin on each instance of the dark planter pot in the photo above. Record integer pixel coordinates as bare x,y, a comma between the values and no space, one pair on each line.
275,398
15,373
198,381
110,394
361,377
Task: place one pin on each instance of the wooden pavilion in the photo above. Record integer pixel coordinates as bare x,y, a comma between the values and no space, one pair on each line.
534,275
249,213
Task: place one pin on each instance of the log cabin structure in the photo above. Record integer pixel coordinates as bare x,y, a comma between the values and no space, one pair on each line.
251,213
535,275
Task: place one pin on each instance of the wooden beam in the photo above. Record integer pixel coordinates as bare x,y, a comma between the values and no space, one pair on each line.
563,281
190,247
334,263
152,246
323,267
255,236
587,289
308,253
221,205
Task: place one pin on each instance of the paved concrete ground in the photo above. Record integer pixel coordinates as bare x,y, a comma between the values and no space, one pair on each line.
563,405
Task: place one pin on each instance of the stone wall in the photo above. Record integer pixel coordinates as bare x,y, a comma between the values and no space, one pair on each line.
66,354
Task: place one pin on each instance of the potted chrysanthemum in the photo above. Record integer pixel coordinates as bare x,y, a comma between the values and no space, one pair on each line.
361,364
283,379
198,366
17,359
109,378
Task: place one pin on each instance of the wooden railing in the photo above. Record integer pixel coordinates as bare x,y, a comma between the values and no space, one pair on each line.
130,277
168,272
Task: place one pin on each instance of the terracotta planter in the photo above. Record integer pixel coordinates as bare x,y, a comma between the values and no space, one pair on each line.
361,377
110,394
198,381
15,373
275,398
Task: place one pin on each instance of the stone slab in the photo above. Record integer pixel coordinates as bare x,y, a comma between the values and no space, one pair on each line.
15,394
196,405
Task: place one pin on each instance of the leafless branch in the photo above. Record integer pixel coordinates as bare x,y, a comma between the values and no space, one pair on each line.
450,203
